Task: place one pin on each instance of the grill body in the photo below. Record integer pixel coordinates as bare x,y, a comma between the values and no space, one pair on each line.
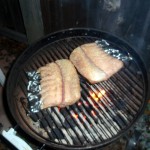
87,124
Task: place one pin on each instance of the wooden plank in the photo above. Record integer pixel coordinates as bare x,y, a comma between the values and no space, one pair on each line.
32,17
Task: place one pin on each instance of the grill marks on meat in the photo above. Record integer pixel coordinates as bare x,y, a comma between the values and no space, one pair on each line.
60,84
93,63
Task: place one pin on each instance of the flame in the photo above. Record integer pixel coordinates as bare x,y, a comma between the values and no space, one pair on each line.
75,115
96,96
99,95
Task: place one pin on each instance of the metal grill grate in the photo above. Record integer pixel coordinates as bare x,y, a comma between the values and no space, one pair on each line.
104,111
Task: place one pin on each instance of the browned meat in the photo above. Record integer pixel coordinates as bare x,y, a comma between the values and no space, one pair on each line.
59,84
104,61
51,85
86,67
71,84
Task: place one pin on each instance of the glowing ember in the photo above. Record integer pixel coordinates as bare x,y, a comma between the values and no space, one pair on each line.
103,92
86,103
95,105
79,103
58,108
93,113
98,95
84,116
94,96
75,116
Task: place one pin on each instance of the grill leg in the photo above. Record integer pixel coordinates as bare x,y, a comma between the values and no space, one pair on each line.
133,140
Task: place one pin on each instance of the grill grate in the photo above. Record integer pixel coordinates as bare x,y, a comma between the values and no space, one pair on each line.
104,111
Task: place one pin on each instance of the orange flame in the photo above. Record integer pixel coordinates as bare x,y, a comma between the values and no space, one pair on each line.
98,95
75,116
94,96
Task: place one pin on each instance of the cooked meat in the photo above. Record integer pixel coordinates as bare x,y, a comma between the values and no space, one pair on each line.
51,85
71,84
93,63
44,71
86,67
60,84
101,59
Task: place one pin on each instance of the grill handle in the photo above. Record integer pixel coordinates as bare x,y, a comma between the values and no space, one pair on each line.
15,140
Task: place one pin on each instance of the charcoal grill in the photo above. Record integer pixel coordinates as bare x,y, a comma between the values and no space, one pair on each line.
105,111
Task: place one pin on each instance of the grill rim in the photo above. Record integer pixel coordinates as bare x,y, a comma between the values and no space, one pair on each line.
72,32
